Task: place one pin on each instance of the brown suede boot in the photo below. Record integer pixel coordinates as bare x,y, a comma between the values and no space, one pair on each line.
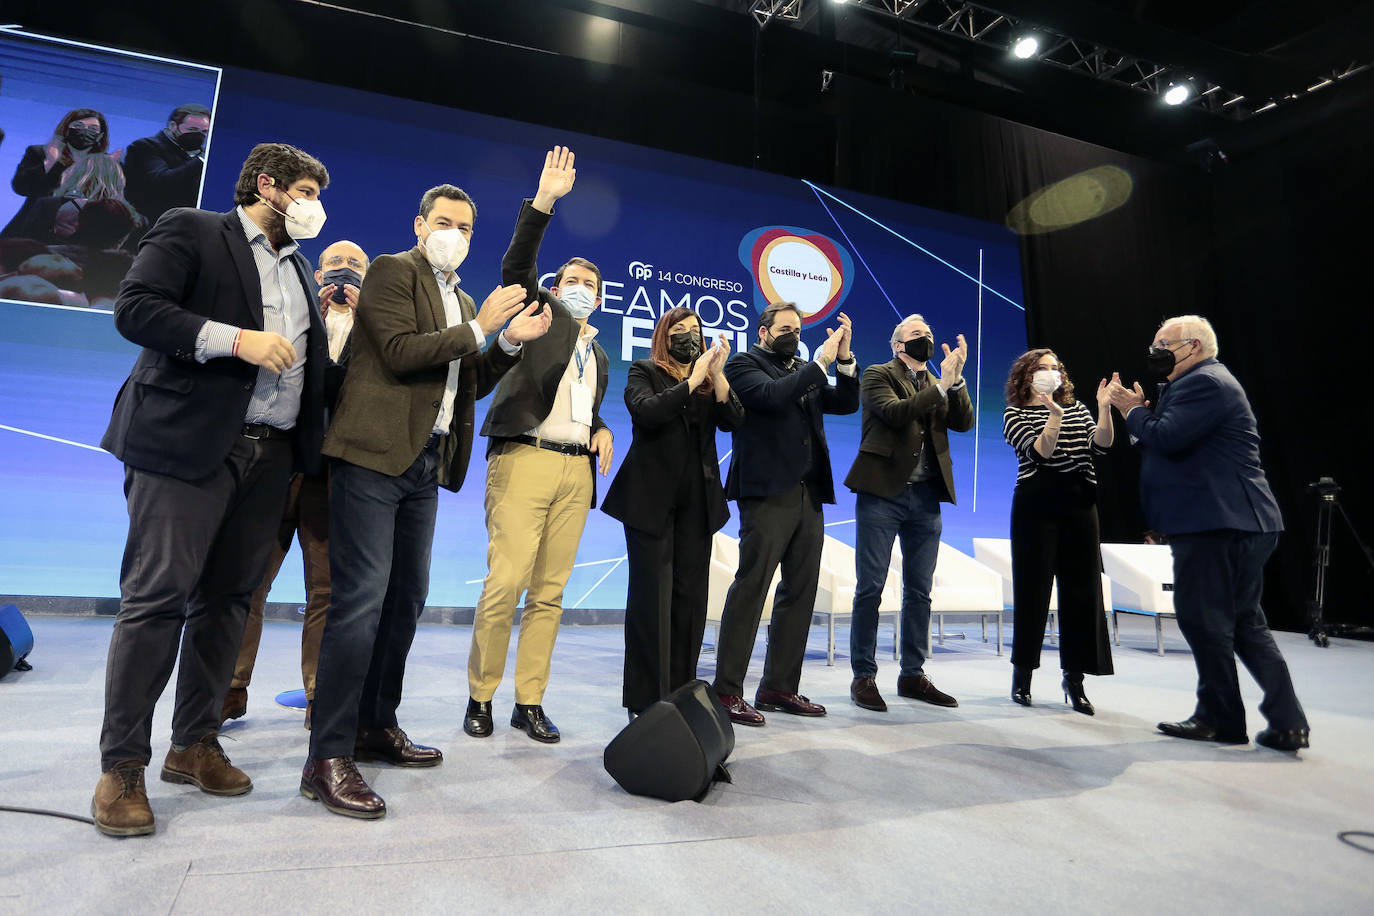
235,704
206,766
120,806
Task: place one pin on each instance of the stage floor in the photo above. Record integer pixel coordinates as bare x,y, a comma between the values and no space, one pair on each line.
988,808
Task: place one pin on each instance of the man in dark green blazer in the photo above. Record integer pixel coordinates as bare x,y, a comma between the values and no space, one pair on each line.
901,475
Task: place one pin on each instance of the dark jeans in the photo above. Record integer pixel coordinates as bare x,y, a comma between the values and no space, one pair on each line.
381,530
788,529
1054,533
194,554
914,516
1218,580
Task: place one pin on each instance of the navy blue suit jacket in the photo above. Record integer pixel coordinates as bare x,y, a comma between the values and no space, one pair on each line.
1200,457
176,416
783,415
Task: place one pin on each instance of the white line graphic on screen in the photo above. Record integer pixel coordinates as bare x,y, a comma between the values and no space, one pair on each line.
926,251
977,380
597,584
854,248
29,432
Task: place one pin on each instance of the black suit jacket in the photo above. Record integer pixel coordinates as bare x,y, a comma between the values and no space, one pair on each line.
160,175
400,352
662,450
174,415
896,417
33,182
773,449
526,394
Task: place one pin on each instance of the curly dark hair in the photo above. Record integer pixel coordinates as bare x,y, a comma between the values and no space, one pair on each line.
281,161
1019,392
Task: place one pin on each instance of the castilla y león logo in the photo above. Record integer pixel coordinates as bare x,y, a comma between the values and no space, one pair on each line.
789,264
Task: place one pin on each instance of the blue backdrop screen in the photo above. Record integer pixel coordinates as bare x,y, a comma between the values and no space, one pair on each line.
664,229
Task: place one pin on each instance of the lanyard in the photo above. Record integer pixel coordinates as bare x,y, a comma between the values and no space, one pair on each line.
581,359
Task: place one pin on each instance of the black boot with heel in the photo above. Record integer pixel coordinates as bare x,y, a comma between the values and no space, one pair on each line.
1020,685
1073,693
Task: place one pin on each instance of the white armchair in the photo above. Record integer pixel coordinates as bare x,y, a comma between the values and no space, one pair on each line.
724,563
995,553
1142,583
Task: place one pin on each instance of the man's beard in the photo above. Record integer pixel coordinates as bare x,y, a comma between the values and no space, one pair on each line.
276,230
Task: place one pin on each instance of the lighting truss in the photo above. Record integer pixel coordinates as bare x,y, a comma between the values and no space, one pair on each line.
765,11
989,28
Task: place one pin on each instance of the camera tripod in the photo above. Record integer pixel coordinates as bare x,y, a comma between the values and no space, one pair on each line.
1327,504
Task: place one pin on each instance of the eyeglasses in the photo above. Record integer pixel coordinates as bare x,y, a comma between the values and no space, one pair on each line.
338,261
1164,344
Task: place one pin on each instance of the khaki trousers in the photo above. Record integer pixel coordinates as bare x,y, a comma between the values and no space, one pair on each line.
306,518
537,502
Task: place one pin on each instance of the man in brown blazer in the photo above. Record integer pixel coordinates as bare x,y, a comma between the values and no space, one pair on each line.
901,475
402,429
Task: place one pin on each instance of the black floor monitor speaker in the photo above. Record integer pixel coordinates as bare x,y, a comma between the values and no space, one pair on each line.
16,640
675,749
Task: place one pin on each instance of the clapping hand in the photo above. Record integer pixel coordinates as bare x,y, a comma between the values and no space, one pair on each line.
1123,399
532,322
327,294
1104,391
952,366
718,354
846,335
557,178
1055,408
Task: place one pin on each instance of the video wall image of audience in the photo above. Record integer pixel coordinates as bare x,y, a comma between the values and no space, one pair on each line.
95,145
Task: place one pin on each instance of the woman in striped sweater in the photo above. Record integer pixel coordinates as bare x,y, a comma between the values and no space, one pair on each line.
1054,533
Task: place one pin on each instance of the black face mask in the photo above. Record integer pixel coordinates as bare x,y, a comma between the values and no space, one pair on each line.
919,348
339,277
82,138
683,346
785,345
190,140
1160,361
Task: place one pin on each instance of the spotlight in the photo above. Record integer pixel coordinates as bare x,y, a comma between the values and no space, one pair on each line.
1177,94
1025,47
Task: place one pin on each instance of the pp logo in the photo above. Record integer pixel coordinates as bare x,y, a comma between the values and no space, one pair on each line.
638,270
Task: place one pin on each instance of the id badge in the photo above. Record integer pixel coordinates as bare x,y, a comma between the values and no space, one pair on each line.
581,404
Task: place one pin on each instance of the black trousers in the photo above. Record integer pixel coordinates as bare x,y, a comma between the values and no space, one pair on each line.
196,550
1054,533
1218,581
665,606
788,529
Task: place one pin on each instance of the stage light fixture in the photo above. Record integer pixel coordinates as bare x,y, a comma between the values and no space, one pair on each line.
1177,94
1026,47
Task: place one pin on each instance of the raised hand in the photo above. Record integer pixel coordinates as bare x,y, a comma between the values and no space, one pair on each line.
830,350
952,365
265,349
846,334
533,321
500,307
1122,398
1104,392
557,178
1055,408
327,293
719,354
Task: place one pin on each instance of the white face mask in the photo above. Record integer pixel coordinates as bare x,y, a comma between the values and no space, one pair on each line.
1046,381
579,300
445,249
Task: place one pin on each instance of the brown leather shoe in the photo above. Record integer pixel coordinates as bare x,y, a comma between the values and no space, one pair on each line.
235,704
205,766
336,783
919,687
791,703
864,692
393,746
739,711
120,805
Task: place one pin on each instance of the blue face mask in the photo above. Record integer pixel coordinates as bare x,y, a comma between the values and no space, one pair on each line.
579,301
341,276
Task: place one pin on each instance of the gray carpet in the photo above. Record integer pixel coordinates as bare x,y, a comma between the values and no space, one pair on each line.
988,808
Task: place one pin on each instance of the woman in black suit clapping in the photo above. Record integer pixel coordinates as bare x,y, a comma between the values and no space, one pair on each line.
669,497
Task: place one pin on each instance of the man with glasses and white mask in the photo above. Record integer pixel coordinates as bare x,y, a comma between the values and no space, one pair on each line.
305,517
902,474
1201,484
402,429
546,441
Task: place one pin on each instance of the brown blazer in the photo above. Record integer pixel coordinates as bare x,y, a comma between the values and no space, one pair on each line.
401,348
894,418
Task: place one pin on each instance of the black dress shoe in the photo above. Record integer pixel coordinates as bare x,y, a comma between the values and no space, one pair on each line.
1073,692
1283,739
531,720
337,783
477,720
1194,729
919,687
794,704
393,746
864,692
1020,684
